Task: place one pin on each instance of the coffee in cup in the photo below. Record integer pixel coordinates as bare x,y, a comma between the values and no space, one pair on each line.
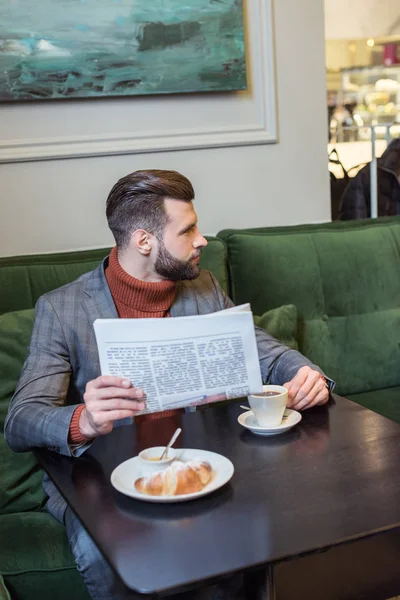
269,406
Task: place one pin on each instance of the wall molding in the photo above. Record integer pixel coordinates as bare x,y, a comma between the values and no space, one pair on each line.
263,131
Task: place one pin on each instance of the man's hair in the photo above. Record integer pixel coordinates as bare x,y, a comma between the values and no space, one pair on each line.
137,202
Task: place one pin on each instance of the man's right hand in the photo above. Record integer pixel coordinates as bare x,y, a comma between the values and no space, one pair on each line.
108,399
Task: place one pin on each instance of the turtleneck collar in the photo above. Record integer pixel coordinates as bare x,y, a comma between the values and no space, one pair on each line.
135,298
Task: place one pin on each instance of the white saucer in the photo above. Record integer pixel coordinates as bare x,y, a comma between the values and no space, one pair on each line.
290,419
124,476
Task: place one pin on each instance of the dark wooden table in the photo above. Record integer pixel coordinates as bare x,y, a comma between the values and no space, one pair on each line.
333,479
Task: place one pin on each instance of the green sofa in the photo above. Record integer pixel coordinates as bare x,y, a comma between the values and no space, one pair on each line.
329,289
343,279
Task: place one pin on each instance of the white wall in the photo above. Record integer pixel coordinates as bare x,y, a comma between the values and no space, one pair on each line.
51,205
361,19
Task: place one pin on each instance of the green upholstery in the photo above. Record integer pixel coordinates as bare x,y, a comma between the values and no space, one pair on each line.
343,281
35,559
15,334
21,480
224,234
281,323
24,278
385,402
214,257
31,541
20,483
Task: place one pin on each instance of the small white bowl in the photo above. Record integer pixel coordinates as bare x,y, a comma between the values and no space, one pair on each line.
148,463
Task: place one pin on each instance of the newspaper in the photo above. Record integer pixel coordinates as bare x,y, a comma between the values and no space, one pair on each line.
183,361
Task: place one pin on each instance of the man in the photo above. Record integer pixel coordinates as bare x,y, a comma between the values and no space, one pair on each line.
61,401
356,200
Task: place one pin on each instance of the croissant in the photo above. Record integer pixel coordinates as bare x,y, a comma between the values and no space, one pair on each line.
179,478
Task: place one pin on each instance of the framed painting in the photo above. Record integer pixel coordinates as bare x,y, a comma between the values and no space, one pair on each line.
60,49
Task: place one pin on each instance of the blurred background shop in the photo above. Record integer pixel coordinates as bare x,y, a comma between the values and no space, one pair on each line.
363,91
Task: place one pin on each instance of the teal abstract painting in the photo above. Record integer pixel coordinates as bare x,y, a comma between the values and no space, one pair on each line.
54,49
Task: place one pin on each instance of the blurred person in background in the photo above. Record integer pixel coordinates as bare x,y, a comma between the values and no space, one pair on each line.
356,199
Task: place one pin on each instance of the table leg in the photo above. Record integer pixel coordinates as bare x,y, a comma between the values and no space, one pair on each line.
260,584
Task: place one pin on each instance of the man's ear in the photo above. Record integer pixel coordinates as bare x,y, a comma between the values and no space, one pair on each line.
142,240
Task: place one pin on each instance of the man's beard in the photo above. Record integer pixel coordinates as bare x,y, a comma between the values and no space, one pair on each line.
174,269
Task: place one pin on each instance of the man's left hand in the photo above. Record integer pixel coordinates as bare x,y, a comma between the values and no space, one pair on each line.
308,388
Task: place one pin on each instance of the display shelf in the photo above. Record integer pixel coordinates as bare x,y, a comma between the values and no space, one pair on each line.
366,96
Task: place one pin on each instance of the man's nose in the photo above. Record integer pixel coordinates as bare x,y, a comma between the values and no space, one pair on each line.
200,241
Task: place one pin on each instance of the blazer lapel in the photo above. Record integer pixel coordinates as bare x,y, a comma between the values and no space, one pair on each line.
185,303
98,302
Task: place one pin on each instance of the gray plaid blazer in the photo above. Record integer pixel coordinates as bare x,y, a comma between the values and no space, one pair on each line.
63,357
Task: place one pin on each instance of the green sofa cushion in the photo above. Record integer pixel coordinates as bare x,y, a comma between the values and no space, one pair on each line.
21,481
342,281
34,545
385,402
361,352
214,257
281,323
15,335
24,278
21,476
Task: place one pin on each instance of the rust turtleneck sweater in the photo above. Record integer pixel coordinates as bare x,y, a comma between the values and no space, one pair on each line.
137,299
133,299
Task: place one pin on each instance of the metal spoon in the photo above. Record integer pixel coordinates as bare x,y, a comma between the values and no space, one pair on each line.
171,441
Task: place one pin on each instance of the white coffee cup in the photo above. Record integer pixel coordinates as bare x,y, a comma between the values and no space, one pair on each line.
269,410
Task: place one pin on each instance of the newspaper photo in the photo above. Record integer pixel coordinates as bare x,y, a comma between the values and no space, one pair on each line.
183,361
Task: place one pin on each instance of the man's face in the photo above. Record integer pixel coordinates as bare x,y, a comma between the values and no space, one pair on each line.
178,252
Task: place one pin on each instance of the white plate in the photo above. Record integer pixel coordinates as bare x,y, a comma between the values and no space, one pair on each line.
290,419
124,476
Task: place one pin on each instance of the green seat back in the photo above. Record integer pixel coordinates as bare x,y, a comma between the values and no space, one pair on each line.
24,278
342,279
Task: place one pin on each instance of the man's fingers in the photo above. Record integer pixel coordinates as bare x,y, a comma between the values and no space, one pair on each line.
104,417
320,398
318,394
308,389
107,386
107,405
296,383
108,399
115,392
108,381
